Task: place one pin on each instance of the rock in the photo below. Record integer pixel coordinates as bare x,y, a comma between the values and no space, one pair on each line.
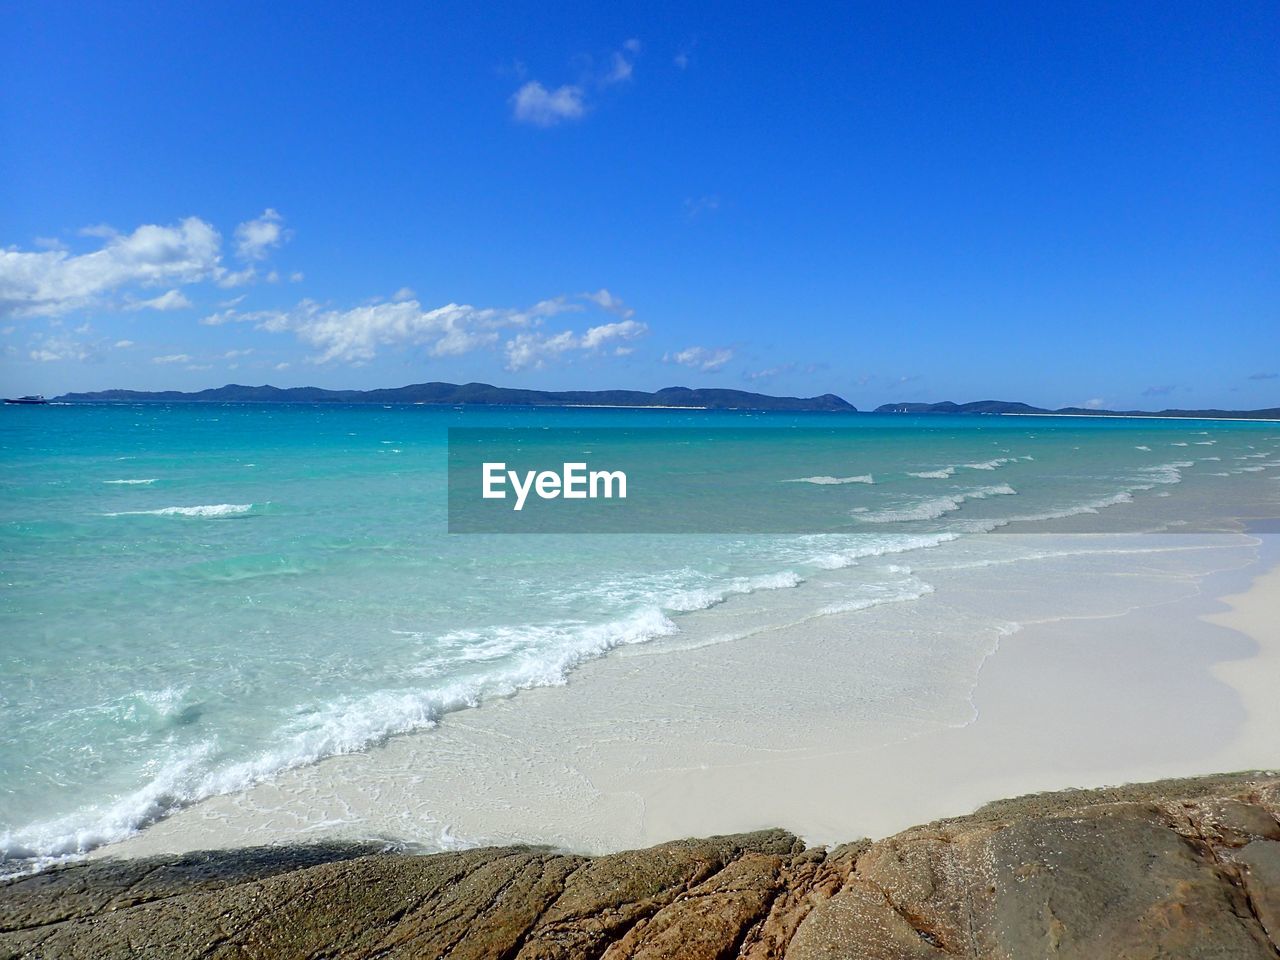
1181,868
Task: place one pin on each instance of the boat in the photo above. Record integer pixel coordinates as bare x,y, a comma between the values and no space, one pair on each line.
28,400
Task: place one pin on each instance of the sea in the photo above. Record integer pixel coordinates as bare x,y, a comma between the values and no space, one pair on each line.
195,598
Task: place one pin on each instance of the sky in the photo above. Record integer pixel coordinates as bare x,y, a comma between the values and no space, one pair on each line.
1065,204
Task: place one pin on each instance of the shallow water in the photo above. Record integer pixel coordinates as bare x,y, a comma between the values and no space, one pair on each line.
196,598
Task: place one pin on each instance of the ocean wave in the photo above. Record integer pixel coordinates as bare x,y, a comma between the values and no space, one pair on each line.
849,556
702,598
825,481
1164,473
132,482
1076,509
934,474
916,590
540,656
207,511
936,507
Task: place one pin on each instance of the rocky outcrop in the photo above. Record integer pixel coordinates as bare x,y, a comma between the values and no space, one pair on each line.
1185,868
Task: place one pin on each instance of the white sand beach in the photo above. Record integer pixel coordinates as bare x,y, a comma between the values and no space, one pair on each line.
651,744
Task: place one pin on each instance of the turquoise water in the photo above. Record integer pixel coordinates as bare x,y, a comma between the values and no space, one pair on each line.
195,598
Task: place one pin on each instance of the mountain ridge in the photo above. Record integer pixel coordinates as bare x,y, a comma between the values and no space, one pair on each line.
481,394
1016,407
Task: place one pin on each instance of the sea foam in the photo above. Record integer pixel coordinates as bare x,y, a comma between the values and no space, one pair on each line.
936,507
208,511
826,481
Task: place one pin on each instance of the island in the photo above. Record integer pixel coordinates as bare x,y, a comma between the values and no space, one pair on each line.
482,394
1016,408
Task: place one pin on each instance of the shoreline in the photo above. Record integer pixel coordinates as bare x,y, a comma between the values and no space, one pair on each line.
588,766
1254,612
1178,867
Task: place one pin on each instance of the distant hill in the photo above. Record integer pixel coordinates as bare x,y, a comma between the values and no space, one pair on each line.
453,394
1006,406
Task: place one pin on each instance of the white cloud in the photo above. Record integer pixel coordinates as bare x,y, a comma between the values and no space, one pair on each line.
297,276
769,373
1097,403
173,358
535,349
605,300
684,56
123,344
354,336
701,358
61,347
54,282
172,300
534,103
621,69
256,238
695,207
597,337
283,365
236,278
622,62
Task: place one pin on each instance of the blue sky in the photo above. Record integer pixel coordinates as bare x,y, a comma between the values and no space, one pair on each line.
1056,203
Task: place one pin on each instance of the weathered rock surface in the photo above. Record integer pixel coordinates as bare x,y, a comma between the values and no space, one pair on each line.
1180,868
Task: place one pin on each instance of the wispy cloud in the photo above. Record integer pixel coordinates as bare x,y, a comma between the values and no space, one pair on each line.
706,359
696,207
533,103
1160,391
53,282
256,238
622,62
534,349
172,300
50,348
356,335
605,300
173,358
768,373
684,55
544,106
